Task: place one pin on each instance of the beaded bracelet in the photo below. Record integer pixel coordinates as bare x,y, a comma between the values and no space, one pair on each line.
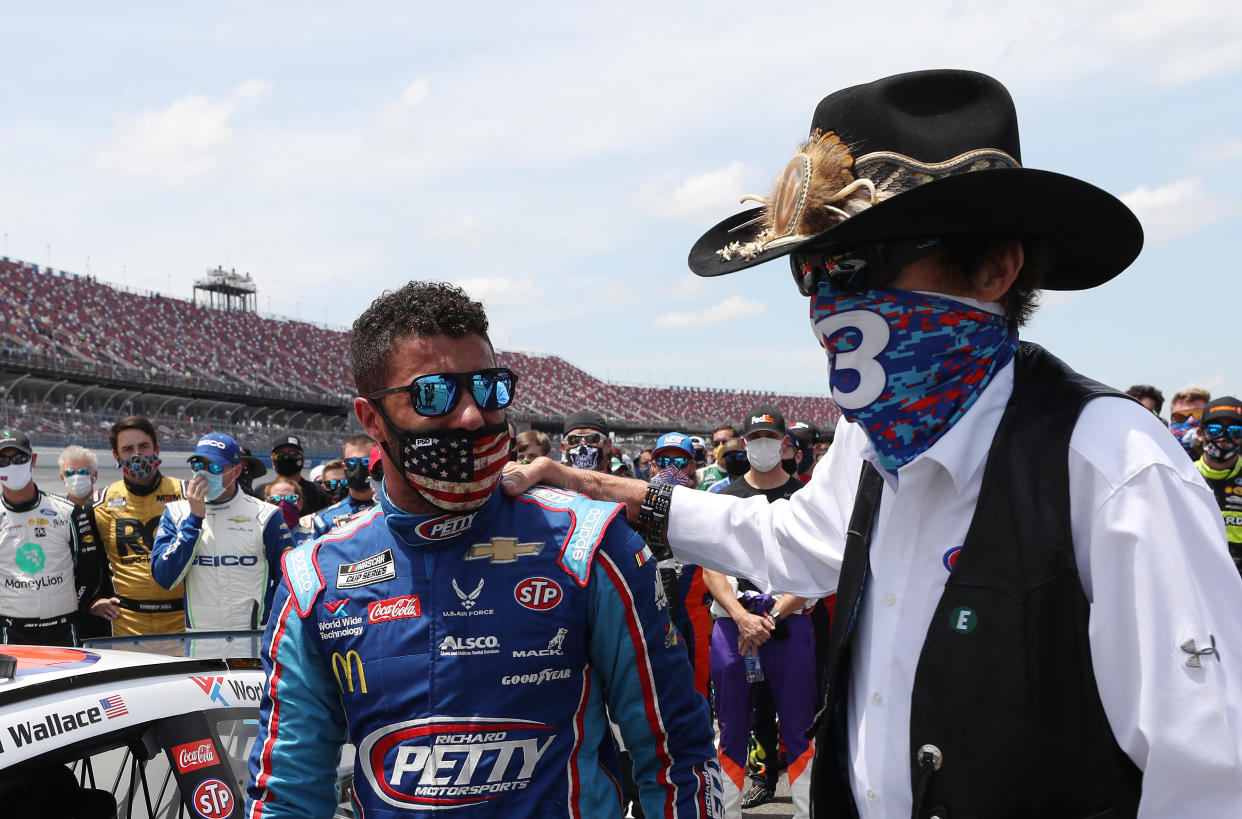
653,514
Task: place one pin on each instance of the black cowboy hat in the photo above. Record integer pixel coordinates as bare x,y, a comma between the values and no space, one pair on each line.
928,153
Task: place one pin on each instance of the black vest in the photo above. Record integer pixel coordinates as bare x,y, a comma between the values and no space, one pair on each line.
1005,717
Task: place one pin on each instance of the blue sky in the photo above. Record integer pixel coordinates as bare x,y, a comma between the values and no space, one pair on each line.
559,161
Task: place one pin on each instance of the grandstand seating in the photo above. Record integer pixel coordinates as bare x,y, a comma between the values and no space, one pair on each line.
86,325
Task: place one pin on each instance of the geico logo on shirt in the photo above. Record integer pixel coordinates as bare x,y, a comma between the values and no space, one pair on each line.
452,646
226,560
538,593
444,527
539,677
455,762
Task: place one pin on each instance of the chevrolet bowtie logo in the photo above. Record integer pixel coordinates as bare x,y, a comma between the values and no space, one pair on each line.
503,550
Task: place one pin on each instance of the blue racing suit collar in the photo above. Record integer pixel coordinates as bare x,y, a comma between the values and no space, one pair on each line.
438,529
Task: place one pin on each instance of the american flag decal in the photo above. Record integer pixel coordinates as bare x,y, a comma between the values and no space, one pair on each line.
114,706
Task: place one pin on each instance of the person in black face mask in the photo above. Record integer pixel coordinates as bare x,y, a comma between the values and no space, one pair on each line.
358,496
585,441
288,458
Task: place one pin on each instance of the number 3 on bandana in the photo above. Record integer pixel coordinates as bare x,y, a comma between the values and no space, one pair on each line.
862,359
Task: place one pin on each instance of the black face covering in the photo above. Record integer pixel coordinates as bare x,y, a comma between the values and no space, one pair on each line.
585,456
790,465
338,494
287,465
357,477
736,467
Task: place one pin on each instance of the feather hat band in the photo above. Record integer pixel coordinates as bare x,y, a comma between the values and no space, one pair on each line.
929,153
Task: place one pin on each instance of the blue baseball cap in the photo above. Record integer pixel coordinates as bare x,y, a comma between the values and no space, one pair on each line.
674,440
218,448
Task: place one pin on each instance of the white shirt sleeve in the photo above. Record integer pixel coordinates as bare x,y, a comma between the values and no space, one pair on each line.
793,546
1152,554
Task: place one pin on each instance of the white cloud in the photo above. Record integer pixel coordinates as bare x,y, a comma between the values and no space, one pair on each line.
500,291
734,307
1175,43
701,198
189,141
400,109
1227,150
1176,209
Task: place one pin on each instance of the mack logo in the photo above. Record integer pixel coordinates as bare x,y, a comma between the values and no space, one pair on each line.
452,646
538,593
584,534
194,755
452,762
226,560
394,608
343,669
374,569
503,550
444,527
556,647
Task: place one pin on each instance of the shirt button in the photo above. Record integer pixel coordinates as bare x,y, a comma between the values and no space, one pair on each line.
877,698
890,599
871,794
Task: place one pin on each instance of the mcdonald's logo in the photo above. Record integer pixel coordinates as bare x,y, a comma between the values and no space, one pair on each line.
346,665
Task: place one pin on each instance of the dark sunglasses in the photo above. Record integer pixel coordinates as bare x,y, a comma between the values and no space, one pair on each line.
354,463
1234,431
334,483
438,393
855,269
275,499
213,468
81,470
734,457
664,461
591,438
18,459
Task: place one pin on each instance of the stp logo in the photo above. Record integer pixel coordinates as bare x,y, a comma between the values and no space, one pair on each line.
195,755
213,799
538,593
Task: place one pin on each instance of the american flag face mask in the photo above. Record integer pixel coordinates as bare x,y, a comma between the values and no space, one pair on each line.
455,470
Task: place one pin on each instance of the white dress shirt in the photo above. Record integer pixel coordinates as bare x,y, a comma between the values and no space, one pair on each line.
1151,551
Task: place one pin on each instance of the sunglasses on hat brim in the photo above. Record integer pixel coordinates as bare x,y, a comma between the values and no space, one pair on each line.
855,269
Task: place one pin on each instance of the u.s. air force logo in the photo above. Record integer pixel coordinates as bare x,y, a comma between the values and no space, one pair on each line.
449,762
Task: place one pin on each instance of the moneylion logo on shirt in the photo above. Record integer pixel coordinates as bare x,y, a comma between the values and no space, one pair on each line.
452,761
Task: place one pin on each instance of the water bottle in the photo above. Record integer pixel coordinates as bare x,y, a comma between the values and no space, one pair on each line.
754,671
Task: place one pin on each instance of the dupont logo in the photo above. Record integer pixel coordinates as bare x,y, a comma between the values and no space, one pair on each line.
538,593
213,799
195,755
394,608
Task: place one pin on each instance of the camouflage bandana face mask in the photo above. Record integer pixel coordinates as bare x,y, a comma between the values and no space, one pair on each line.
907,365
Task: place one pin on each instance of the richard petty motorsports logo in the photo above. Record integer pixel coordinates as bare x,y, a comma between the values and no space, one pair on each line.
450,762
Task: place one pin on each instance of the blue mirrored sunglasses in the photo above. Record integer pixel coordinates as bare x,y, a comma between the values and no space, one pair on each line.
213,468
1234,431
438,393
335,483
352,463
664,461
81,470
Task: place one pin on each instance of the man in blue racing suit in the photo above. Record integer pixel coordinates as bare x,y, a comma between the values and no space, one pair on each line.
469,645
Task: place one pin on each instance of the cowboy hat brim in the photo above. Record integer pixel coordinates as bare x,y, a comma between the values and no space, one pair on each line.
1092,234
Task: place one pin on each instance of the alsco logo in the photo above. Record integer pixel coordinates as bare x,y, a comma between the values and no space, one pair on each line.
538,593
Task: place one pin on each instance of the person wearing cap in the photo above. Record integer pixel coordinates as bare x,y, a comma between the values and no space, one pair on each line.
127,516
1220,438
715,471
49,558
803,435
356,460
731,457
288,458
224,544
1042,620
744,612
585,443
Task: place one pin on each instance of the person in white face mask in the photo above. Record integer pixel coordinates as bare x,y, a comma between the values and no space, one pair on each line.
79,470
49,560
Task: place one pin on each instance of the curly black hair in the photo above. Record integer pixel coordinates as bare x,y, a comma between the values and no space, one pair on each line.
418,309
966,253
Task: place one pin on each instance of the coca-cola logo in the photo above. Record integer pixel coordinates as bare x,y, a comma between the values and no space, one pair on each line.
195,755
394,608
